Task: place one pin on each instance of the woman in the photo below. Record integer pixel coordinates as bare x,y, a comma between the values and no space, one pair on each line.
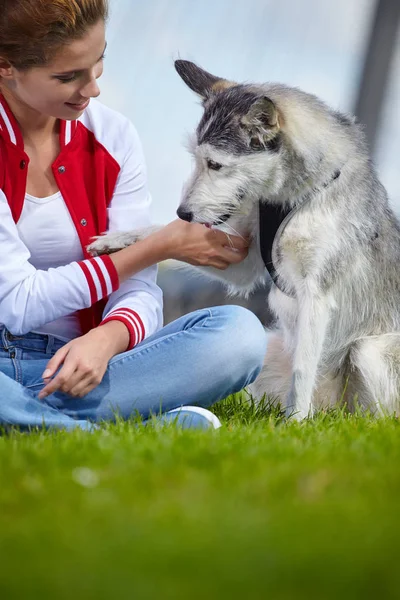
81,337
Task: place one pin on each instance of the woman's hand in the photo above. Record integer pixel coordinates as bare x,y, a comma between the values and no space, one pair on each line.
84,361
199,245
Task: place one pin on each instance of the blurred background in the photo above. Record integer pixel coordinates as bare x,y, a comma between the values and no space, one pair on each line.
345,51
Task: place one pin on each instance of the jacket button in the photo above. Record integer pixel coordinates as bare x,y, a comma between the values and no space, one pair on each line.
22,164
84,222
12,353
61,169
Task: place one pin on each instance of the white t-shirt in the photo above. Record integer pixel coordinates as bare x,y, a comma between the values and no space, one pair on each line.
46,228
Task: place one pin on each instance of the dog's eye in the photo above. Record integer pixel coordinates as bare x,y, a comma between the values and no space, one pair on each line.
213,165
256,144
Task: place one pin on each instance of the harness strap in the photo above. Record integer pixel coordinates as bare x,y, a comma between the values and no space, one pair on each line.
271,217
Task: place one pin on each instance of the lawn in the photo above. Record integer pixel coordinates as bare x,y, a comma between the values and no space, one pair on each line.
261,508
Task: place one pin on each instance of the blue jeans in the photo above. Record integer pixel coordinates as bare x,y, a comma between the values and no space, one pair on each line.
198,359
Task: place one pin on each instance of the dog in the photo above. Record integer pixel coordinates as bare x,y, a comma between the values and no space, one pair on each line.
277,164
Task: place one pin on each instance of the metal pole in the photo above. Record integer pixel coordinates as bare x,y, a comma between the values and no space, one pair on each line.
376,71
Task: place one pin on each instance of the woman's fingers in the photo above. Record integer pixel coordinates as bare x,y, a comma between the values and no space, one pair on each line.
233,249
219,264
233,256
83,387
234,241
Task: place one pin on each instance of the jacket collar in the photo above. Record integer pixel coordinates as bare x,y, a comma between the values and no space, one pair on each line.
10,130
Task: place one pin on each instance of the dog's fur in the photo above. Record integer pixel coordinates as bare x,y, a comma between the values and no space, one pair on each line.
337,301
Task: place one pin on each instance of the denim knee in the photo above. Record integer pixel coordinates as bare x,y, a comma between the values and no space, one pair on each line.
244,342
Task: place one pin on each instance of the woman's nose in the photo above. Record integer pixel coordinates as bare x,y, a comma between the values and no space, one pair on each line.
91,90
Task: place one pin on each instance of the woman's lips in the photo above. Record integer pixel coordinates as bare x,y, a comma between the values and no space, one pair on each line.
78,107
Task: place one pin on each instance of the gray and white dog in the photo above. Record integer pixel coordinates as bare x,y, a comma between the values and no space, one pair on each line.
276,159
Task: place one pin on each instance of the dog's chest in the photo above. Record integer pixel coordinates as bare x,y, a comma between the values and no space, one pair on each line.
293,252
301,246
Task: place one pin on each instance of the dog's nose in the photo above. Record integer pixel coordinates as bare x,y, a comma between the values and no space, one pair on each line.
184,214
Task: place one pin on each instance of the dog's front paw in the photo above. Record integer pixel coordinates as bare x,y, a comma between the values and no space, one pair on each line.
111,242
296,414
296,409
98,247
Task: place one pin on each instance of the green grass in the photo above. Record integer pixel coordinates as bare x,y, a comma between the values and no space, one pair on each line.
261,508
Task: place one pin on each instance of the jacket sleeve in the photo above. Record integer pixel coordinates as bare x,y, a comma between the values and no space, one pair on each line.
30,297
138,301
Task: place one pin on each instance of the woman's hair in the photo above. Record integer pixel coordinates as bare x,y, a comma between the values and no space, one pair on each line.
32,31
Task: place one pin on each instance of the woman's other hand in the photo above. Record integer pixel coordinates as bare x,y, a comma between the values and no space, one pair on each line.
83,361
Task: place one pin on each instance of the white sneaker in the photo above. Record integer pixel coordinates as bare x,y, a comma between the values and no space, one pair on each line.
191,417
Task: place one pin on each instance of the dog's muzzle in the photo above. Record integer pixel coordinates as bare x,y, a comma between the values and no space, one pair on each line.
186,215
240,194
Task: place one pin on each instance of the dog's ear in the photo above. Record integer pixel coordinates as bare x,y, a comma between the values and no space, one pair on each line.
261,122
200,81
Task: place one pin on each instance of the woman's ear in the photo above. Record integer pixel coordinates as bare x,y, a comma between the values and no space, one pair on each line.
6,69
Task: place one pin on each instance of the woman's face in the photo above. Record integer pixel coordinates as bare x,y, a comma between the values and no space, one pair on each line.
62,88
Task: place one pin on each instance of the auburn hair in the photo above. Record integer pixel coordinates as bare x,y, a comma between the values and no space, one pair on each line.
32,31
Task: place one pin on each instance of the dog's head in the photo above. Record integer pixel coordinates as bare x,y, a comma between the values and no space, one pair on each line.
236,147
267,141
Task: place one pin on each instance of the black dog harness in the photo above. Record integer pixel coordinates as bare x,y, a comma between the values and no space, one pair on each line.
272,217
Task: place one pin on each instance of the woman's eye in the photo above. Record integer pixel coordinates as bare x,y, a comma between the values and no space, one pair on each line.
213,165
67,79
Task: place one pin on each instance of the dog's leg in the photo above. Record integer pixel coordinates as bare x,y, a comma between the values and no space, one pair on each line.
274,379
330,390
311,328
116,240
375,380
239,278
